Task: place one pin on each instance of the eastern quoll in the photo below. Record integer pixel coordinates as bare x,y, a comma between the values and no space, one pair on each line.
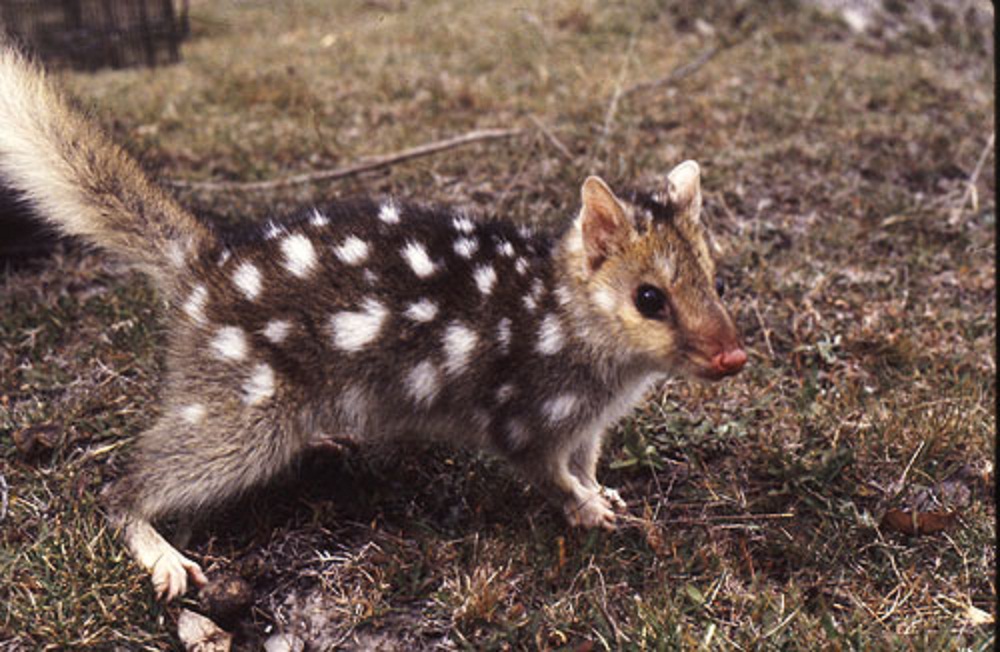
372,320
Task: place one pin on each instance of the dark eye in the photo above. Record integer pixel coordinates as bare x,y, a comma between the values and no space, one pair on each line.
720,286
650,301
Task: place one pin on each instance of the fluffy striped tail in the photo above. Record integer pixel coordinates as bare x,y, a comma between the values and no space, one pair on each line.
80,182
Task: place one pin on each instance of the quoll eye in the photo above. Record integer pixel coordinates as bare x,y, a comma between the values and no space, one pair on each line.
650,301
720,286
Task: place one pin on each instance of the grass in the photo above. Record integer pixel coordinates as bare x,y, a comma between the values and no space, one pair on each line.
833,163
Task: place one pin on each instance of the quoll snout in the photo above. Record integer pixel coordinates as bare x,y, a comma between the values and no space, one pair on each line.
729,361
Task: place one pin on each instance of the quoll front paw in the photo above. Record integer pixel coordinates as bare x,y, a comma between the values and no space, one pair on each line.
170,575
593,511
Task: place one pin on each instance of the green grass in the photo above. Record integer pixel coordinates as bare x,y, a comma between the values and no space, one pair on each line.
832,164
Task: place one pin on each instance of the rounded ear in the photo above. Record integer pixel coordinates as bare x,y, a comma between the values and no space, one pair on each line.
603,222
684,189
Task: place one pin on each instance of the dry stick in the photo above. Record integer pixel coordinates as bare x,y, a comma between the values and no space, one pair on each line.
609,114
691,67
352,170
970,188
3,497
713,518
677,74
551,137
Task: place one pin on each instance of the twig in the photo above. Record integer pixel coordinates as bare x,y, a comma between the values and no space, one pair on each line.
357,168
677,74
763,328
100,451
609,114
686,70
551,137
3,497
713,518
897,486
970,188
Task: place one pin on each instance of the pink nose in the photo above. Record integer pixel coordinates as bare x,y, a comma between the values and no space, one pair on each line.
731,361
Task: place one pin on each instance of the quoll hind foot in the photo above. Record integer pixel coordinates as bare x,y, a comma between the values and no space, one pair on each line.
168,568
595,509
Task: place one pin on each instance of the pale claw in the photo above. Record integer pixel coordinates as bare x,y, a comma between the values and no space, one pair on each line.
614,498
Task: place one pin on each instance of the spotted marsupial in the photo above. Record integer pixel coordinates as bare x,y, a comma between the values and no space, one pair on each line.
373,319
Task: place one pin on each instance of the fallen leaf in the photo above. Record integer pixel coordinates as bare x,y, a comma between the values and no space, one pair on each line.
917,523
36,440
199,634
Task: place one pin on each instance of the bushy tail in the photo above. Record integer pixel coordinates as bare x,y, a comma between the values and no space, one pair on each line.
82,183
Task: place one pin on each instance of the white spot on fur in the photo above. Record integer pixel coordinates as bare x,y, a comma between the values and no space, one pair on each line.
300,255
277,330
486,278
318,219
532,299
176,254
517,434
193,414
463,225
550,336
388,213
563,295
423,311
353,330
194,307
466,247
248,280
603,298
525,231
224,257
521,265
560,408
664,263
423,383
416,256
505,392
370,277
272,231
459,342
260,386
505,248
352,251
503,335
230,343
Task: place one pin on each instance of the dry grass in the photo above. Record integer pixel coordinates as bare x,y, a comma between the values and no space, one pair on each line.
832,164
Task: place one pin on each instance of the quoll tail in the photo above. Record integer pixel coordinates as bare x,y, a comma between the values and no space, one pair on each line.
80,182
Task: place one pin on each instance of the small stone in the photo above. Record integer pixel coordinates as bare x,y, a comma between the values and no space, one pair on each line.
200,634
284,643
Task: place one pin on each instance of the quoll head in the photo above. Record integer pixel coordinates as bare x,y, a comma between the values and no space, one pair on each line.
649,267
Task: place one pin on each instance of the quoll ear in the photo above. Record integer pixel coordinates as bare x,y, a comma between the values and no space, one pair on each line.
684,189
603,222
